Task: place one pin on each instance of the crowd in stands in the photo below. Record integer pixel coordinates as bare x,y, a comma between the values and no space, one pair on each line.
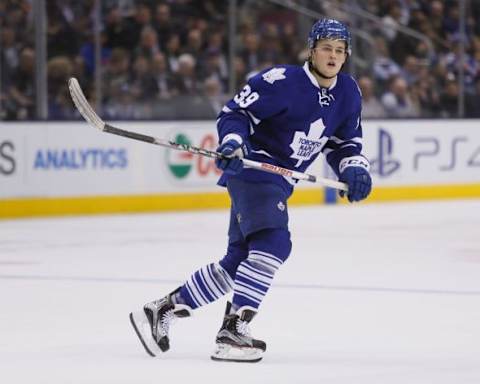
169,59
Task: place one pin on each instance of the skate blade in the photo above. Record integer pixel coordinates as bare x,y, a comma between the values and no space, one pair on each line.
225,352
141,326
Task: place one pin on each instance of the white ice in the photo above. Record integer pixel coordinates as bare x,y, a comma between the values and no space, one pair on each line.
386,293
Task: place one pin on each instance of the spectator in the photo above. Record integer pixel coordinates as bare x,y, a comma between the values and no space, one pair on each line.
116,74
118,30
9,54
142,19
120,105
194,45
79,70
148,45
215,59
271,46
20,102
250,52
61,37
371,106
240,72
449,98
212,90
409,70
142,84
384,68
451,20
162,30
404,44
452,63
17,15
59,70
290,43
472,102
185,79
173,51
87,52
425,91
436,18
161,77
391,21
398,101
215,41
215,65
164,24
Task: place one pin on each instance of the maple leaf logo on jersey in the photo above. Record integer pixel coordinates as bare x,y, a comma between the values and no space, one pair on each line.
304,147
273,75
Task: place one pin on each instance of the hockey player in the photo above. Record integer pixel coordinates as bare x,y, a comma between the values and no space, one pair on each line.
285,116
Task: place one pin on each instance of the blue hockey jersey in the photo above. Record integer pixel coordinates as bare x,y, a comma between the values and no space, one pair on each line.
288,119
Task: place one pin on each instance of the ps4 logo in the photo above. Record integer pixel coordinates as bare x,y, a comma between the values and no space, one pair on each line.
385,164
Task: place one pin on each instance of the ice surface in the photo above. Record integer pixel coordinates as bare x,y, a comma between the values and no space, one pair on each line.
371,294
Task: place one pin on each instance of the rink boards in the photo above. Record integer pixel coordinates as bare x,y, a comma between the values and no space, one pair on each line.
70,168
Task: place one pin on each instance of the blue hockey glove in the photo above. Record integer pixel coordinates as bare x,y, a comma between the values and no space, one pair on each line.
234,149
354,172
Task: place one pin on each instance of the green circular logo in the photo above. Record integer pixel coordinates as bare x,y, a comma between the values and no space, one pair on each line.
180,162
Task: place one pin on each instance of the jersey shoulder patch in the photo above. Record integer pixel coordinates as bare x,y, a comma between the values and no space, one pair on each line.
274,74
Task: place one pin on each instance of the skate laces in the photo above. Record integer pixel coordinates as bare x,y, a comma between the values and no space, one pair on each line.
243,327
167,319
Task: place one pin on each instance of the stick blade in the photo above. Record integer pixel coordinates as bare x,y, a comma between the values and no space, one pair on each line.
83,106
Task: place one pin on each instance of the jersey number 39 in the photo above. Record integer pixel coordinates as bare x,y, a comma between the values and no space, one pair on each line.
246,97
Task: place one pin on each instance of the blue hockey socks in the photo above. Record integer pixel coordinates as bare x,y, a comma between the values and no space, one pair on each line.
206,285
268,249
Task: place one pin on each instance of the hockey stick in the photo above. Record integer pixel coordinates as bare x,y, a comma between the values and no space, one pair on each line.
94,120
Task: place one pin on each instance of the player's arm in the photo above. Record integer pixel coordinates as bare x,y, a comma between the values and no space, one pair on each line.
261,98
344,155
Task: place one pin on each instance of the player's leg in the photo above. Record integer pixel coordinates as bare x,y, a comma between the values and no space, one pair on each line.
204,286
268,250
213,281
263,219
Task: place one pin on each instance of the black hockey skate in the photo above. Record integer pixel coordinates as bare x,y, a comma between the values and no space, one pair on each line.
234,342
153,323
